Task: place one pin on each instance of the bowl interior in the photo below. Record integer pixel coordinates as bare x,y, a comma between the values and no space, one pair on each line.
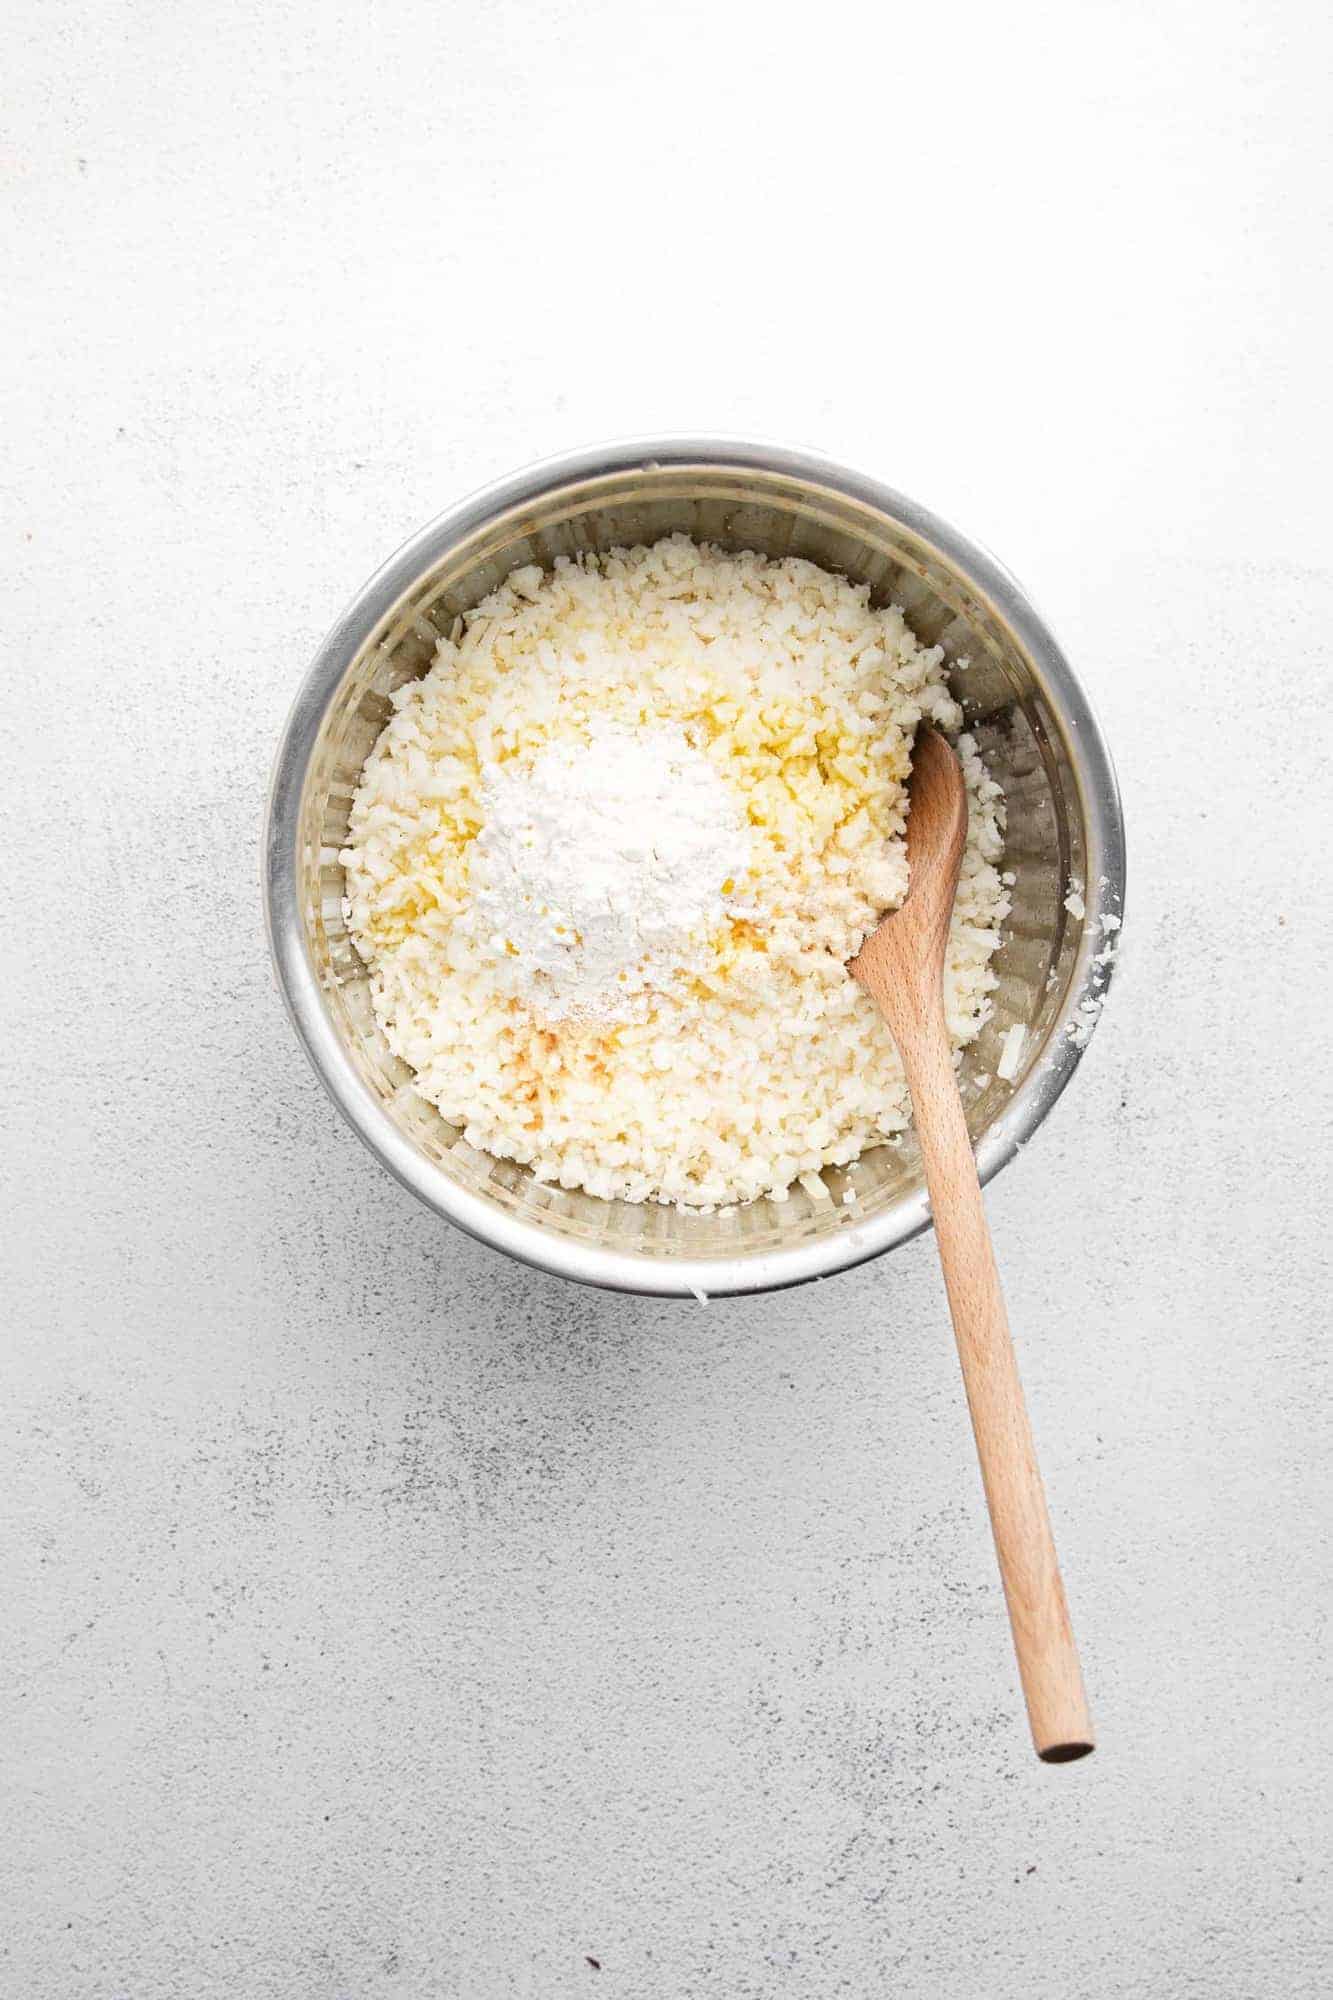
1008,709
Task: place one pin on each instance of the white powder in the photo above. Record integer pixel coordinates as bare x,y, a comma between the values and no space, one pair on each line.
603,869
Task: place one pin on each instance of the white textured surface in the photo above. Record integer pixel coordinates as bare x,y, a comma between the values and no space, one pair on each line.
380,1619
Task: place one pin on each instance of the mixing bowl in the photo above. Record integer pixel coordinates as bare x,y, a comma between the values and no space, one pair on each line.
1030,716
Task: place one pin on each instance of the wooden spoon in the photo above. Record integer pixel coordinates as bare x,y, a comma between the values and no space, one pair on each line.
901,966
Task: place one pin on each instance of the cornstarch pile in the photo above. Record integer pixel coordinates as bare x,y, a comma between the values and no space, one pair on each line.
604,870
609,857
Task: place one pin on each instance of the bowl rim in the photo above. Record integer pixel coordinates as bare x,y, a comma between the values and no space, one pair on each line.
1050,1067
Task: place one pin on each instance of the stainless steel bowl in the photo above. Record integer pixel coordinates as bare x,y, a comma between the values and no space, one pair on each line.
1036,730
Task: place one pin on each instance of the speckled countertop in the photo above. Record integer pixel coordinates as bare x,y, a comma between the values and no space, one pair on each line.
384,1620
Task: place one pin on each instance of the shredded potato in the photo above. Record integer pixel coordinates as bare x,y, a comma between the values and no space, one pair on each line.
768,1062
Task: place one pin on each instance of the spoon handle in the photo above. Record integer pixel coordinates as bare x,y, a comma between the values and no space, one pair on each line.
1047,1656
